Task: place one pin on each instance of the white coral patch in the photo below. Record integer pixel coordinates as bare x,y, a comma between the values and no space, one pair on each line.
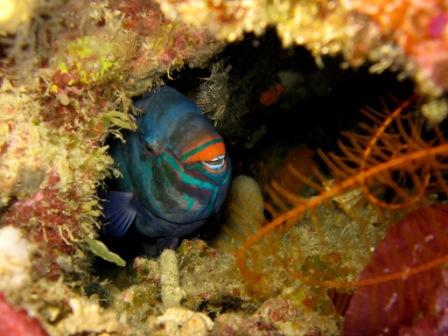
89,318
13,13
15,259
179,321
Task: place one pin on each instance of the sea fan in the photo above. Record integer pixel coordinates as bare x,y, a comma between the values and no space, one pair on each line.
390,165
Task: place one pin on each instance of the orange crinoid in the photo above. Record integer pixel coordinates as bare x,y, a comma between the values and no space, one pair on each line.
391,164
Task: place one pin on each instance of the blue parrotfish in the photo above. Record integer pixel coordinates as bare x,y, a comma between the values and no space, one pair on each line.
175,170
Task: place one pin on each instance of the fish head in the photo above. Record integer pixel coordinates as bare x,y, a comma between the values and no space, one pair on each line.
187,167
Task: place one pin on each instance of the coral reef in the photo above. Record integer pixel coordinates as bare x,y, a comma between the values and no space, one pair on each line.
211,280
137,301
176,292
407,36
68,72
287,314
418,30
31,304
370,163
95,320
392,156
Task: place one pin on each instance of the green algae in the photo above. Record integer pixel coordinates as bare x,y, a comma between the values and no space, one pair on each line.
100,249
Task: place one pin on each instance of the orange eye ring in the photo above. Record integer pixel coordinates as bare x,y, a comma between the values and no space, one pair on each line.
206,152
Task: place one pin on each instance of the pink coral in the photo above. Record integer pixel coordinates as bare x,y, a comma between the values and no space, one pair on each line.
15,322
419,28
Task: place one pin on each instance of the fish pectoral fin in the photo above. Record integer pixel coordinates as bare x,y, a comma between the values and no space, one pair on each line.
119,213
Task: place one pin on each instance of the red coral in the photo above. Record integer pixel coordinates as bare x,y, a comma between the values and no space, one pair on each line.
403,280
14,322
141,16
44,216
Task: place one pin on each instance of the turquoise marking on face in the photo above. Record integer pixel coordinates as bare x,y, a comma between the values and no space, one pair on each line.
172,197
186,178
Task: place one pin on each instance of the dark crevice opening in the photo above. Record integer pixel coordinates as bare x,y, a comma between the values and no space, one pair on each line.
317,103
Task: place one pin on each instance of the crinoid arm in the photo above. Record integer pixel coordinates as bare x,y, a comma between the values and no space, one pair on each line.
391,164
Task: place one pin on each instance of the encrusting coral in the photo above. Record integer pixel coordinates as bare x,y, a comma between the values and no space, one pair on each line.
408,36
68,73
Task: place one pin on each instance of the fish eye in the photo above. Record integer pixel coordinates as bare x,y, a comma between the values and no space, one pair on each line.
216,163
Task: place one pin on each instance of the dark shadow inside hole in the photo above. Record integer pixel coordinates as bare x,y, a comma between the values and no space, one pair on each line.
316,104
